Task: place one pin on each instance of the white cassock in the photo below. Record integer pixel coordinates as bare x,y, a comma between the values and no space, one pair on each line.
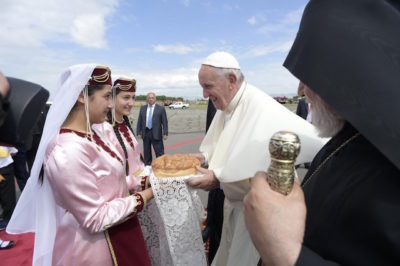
237,147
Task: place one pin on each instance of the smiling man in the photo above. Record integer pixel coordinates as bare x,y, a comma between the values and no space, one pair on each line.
236,147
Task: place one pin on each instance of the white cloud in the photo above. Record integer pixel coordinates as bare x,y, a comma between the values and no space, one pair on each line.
88,30
268,49
176,48
274,79
186,2
293,17
170,79
229,7
33,23
288,23
172,82
252,20
31,31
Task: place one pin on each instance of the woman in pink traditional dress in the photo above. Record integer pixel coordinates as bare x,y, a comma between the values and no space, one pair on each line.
120,128
87,216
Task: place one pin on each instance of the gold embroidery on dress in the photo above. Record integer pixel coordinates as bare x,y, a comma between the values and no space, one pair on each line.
114,258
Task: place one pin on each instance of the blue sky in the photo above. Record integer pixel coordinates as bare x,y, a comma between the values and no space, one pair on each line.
160,43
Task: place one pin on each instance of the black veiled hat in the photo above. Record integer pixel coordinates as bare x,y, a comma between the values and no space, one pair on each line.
348,51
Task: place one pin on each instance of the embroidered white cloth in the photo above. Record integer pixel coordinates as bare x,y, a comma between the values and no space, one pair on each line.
173,220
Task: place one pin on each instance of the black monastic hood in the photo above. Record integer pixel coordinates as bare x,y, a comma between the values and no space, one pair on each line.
348,51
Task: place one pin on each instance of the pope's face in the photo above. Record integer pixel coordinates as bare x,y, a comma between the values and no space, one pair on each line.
99,104
215,86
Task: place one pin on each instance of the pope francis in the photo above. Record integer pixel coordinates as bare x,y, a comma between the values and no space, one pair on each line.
236,147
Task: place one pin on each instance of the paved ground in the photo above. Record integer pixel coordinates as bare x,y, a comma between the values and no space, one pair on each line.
182,121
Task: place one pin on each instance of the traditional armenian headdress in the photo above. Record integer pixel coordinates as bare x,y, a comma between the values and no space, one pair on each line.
125,84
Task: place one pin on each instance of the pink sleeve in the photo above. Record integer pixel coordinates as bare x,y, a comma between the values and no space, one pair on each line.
133,182
76,188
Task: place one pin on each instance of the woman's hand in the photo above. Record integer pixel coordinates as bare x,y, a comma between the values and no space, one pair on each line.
147,194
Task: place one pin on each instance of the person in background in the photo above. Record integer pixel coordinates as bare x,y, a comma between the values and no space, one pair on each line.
4,104
345,210
81,205
20,166
36,136
152,127
7,184
303,107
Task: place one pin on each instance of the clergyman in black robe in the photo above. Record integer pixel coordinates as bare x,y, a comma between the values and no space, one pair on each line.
348,55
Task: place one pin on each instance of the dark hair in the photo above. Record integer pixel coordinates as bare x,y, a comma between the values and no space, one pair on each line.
93,88
41,174
121,141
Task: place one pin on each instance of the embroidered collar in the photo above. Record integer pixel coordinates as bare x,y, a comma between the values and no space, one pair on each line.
97,140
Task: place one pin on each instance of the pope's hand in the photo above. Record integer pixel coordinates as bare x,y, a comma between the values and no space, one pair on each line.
275,222
207,181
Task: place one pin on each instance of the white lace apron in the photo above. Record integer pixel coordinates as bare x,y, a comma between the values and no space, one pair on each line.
173,220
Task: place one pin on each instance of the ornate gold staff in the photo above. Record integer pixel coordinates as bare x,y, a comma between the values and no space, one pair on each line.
284,147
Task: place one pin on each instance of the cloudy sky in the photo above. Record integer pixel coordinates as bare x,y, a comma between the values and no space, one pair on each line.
161,43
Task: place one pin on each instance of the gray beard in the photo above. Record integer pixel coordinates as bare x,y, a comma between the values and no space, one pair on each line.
327,121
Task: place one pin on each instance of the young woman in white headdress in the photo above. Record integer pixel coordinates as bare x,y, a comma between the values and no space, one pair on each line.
80,209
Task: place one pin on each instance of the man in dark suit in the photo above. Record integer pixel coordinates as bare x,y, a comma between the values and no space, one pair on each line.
4,88
152,127
303,106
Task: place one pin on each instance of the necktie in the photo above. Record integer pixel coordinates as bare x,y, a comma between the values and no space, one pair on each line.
149,118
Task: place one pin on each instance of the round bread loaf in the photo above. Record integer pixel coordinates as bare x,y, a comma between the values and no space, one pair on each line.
175,165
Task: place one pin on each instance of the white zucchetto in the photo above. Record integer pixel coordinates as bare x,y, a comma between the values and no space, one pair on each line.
221,60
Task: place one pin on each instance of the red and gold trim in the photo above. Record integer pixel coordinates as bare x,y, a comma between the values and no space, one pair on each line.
125,84
101,75
99,142
141,202
123,128
145,182
126,244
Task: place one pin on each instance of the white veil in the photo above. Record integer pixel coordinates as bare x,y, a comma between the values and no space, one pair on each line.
37,210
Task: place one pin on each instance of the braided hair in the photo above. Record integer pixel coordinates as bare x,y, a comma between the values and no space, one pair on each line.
121,141
128,124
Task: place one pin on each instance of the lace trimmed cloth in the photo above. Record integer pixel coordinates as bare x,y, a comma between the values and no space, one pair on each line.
173,219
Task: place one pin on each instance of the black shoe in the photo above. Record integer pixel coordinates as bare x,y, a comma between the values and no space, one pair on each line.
6,244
